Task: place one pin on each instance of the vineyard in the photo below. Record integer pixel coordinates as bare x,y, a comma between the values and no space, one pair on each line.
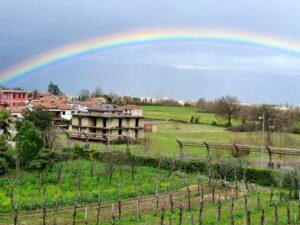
92,192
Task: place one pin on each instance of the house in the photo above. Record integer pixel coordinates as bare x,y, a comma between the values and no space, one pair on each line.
94,101
13,98
14,101
60,110
107,121
133,110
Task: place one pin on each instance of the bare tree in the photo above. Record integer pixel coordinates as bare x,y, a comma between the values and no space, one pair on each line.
84,94
227,106
97,93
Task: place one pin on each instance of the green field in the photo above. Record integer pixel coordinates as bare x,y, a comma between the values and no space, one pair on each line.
183,113
163,141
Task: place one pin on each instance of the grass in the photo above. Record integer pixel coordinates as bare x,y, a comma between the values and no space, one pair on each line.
163,141
183,113
30,195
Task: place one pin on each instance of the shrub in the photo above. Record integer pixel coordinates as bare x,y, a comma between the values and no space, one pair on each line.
245,127
78,151
3,166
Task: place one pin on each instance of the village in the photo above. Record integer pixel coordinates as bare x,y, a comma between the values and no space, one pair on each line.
93,119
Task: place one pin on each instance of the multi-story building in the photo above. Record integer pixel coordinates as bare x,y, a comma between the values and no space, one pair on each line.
14,101
102,121
12,98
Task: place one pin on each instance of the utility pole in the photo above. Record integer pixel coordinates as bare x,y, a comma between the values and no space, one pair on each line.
263,139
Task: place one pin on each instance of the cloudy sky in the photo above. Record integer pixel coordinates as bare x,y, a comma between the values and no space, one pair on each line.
182,70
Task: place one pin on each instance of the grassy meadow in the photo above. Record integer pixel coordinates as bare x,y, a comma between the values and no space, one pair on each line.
173,123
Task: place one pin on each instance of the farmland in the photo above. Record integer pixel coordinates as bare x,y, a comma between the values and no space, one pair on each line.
72,190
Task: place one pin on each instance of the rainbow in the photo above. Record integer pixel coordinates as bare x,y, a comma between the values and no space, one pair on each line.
146,36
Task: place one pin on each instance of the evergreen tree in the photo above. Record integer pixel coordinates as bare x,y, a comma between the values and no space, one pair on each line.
5,121
54,89
29,142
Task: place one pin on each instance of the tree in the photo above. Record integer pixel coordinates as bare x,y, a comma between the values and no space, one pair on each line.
5,121
227,106
84,95
43,122
54,89
33,94
97,92
29,142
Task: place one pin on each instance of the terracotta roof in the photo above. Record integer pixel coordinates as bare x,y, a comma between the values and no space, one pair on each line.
131,107
51,104
94,101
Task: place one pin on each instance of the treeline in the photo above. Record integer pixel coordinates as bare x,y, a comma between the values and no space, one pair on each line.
277,118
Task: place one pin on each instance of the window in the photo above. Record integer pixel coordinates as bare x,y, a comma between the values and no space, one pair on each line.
64,112
5,95
14,95
24,95
120,132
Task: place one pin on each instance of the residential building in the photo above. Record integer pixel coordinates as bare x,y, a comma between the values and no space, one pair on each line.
133,110
13,98
60,110
14,101
95,101
107,121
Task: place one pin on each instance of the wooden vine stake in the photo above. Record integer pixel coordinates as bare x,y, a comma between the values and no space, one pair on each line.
262,216
219,208
271,195
162,215
113,217
276,217
248,217
232,210
171,203
156,197
288,212
119,201
201,208
180,211
44,205
192,220
85,215
188,193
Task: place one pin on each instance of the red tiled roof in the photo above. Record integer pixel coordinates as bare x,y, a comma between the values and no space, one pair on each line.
131,107
94,101
51,104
